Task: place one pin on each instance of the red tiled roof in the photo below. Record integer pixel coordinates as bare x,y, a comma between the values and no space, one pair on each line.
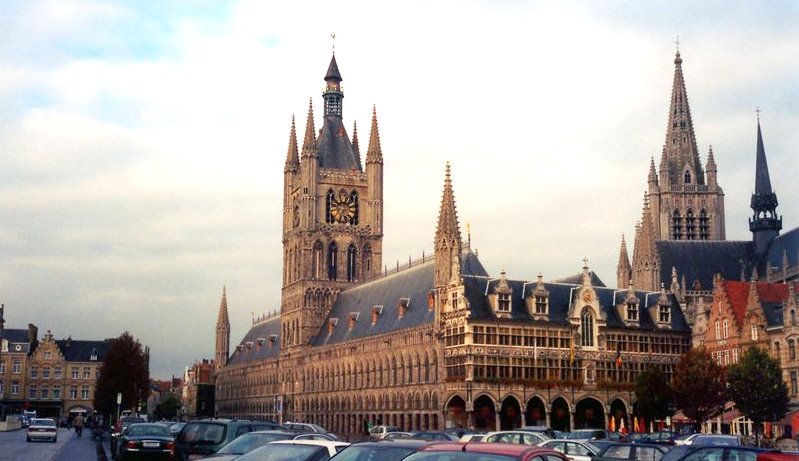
738,293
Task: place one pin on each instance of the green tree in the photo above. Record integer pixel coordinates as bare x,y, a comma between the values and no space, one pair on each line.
757,387
699,385
168,407
125,369
652,394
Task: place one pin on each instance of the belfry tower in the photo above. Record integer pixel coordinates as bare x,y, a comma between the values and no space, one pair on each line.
332,216
765,225
686,201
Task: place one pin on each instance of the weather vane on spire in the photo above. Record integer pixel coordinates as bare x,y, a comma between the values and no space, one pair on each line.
757,111
677,42
333,37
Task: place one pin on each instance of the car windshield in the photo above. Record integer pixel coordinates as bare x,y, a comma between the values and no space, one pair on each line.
148,430
457,456
275,452
203,433
42,422
249,442
581,434
386,453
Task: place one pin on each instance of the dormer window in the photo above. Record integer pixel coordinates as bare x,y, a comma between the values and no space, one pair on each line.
503,302
632,312
48,355
664,314
454,298
93,356
754,332
541,304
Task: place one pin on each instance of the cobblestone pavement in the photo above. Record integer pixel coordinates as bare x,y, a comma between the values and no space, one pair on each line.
13,447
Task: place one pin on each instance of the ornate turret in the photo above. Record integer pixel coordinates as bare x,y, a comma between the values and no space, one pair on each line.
374,175
710,168
222,333
624,271
764,224
335,149
447,241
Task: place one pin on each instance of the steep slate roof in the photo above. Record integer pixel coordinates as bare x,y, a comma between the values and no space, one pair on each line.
264,329
701,259
560,299
576,279
786,244
335,148
81,351
15,335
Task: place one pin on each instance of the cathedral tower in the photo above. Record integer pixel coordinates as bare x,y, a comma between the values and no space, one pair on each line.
222,333
764,224
687,202
332,216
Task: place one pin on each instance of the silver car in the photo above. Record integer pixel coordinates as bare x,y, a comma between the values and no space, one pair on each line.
42,429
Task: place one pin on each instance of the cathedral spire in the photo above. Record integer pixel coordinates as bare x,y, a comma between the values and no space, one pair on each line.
222,318
447,243
222,333
680,153
764,224
293,155
309,142
374,153
623,268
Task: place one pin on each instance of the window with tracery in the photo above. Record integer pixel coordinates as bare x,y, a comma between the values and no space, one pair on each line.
352,257
587,326
676,225
704,225
332,261
331,196
690,225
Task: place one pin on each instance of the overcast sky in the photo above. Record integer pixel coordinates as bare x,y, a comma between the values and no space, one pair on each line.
142,143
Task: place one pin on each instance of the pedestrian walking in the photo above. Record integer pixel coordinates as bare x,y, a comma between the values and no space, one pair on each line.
78,423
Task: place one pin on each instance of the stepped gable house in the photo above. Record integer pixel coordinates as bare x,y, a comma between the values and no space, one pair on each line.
439,342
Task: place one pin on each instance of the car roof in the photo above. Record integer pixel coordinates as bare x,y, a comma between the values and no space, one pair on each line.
317,443
272,431
390,443
493,448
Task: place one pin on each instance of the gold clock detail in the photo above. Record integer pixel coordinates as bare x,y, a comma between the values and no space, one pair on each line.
343,209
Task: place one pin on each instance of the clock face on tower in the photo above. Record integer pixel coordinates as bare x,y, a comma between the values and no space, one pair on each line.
343,208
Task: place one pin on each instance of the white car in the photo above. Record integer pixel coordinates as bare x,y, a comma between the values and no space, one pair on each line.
42,429
295,450
574,450
517,437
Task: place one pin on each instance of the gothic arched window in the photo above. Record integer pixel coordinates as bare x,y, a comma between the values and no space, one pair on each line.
332,261
352,255
354,201
316,260
704,228
690,225
676,225
366,261
587,324
687,177
329,206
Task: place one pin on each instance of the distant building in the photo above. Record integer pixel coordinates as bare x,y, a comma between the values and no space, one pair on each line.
435,343
198,390
15,346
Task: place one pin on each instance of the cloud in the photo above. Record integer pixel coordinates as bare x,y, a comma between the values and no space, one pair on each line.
141,146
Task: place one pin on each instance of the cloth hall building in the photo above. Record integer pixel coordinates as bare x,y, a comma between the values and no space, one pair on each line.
439,342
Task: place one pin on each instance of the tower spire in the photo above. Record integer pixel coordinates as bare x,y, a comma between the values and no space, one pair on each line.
764,224
309,142
374,152
222,332
623,268
293,155
680,153
356,149
447,242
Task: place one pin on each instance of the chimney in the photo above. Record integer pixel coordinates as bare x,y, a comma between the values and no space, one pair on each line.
33,334
2,319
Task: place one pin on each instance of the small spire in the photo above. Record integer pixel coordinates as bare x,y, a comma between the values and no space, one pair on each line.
375,153
309,142
222,318
653,175
356,149
292,156
711,160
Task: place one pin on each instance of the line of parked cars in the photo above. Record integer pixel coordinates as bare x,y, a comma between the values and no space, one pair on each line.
250,440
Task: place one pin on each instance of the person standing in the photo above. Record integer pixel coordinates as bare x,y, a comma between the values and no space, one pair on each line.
78,423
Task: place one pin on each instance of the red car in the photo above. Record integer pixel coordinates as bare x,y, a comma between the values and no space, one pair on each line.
484,452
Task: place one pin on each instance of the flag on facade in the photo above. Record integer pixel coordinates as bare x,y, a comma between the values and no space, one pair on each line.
571,353
535,350
651,426
618,356
643,424
612,424
622,429
636,428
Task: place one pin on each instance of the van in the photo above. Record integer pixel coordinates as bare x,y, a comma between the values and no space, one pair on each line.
203,437
378,432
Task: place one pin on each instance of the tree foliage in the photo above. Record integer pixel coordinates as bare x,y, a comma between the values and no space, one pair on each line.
699,385
757,387
168,407
125,369
653,395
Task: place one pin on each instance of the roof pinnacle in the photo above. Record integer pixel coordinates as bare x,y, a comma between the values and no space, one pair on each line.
448,228
309,142
375,152
222,318
292,156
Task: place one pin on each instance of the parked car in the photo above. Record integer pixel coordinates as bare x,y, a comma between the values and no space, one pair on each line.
119,428
716,453
146,441
384,450
42,429
662,437
686,439
517,437
473,437
573,449
398,435
378,432
587,435
248,442
433,436
295,450
305,428
500,451
717,440
204,437
175,428
631,452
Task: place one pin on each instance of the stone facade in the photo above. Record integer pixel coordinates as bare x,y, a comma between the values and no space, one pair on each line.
438,342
